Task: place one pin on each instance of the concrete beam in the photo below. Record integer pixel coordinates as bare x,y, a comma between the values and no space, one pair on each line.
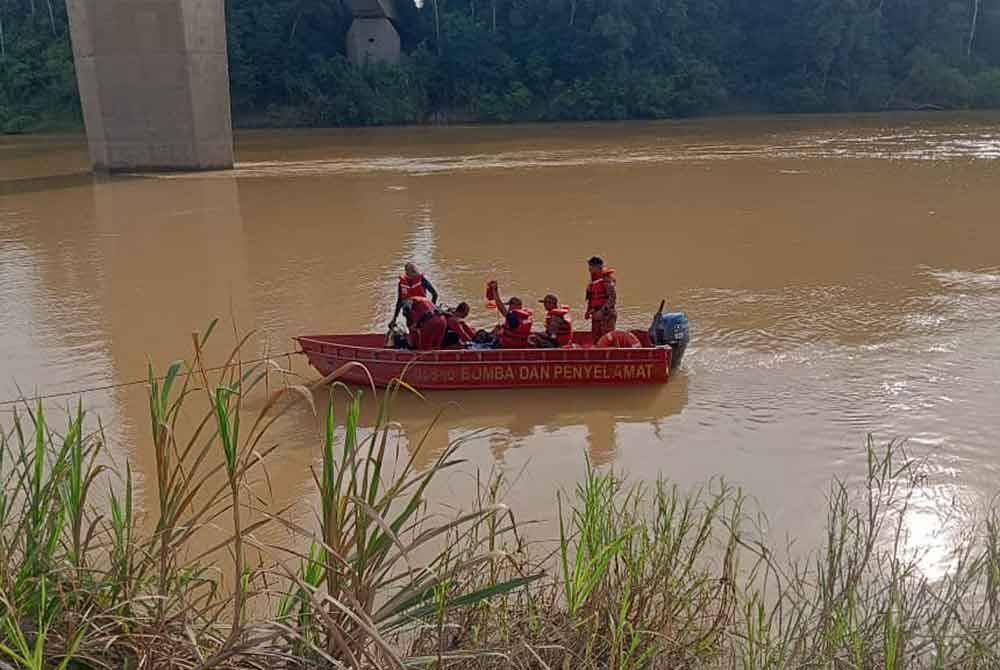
373,9
154,83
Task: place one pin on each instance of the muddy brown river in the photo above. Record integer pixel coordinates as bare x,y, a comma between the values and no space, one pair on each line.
842,275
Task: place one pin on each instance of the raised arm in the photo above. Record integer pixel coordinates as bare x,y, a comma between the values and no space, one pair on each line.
501,307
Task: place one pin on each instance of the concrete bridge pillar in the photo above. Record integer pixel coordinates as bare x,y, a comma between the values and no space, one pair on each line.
372,37
154,83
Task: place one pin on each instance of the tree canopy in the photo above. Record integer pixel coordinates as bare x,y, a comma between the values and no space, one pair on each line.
512,60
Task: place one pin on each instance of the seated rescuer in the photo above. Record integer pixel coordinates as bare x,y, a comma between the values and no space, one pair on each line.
412,284
516,327
426,323
602,296
459,332
558,325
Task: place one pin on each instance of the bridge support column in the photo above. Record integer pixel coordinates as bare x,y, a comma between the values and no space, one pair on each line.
372,37
372,41
154,83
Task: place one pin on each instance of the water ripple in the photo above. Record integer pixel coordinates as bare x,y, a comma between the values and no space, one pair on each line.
974,143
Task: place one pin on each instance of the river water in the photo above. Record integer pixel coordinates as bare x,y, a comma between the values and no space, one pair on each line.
842,275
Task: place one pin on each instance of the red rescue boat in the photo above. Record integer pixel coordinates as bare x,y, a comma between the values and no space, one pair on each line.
582,365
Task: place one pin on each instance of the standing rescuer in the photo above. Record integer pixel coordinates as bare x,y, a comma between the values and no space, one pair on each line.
601,299
426,323
412,284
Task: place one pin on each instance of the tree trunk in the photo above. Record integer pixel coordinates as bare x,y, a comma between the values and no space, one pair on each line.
572,12
494,6
3,44
972,28
295,26
52,16
437,28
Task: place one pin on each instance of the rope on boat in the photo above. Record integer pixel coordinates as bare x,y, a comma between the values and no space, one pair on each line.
137,382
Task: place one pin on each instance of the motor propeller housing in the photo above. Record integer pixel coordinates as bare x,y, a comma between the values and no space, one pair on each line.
673,329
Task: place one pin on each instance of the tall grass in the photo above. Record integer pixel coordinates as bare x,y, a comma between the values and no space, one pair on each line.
642,576
90,583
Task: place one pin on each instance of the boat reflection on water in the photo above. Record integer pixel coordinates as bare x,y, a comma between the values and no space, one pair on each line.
504,420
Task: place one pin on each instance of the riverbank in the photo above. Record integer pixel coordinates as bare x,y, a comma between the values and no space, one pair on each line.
566,61
287,118
367,575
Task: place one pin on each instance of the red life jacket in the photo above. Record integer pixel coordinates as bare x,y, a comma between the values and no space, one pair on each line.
517,338
430,335
427,325
420,312
461,328
597,290
564,333
411,287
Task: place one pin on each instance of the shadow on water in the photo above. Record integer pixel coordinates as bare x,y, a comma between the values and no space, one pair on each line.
503,420
59,182
23,185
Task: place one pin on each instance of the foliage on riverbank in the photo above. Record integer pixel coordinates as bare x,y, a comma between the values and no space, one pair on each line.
37,77
640,577
521,60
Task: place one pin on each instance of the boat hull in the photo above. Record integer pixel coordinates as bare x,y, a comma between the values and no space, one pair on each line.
486,368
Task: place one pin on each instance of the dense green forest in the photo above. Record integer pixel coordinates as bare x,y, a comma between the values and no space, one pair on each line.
509,60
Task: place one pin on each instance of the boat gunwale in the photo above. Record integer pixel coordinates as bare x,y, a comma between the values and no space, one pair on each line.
407,357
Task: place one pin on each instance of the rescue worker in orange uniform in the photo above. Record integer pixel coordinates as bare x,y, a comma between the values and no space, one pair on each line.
558,325
412,284
602,297
427,324
515,330
459,332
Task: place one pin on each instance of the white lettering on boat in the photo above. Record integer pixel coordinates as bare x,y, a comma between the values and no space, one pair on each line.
560,373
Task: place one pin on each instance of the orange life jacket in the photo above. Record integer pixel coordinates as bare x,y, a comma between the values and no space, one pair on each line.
564,332
597,290
619,339
517,338
491,298
411,287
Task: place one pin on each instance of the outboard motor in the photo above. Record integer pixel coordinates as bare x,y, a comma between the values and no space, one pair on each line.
674,329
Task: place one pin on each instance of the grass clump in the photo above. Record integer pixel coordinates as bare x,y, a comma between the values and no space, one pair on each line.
640,576
95,583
